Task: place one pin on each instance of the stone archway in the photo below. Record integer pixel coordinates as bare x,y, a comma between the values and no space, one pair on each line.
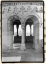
10,28
35,20
29,36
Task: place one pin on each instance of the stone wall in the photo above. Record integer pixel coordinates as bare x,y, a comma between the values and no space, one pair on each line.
7,28
4,34
7,35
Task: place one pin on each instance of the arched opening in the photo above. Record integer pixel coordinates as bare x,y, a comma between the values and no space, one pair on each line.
17,33
13,27
28,37
28,30
32,32
15,30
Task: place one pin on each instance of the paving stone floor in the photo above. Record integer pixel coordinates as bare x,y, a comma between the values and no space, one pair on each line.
29,55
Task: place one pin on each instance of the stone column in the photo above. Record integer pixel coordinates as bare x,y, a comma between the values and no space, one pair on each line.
17,29
25,31
23,38
30,30
33,36
36,36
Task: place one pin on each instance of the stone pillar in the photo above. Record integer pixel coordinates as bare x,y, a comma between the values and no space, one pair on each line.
17,29
33,36
23,38
25,31
30,30
36,36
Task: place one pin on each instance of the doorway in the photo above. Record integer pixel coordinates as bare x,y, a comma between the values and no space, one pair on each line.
17,31
29,34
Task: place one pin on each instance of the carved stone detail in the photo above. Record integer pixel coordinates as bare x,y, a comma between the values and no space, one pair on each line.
29,9
22,10
21,3
15,10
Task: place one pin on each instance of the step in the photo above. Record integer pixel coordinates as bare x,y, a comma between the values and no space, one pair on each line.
16,46
11,59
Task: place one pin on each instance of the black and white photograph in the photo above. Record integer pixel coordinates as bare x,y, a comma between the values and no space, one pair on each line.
22,31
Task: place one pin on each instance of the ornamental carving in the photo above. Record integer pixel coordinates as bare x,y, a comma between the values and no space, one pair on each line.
35,9
29,8
21,3
22,10
15,10
12,18
9,9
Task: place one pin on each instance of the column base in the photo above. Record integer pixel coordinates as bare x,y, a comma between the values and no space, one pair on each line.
38,48
23,46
